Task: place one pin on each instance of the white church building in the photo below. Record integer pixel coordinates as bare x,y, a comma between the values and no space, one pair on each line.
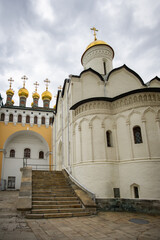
106,129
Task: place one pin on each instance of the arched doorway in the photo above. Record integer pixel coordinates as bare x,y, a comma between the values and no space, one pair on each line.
25,144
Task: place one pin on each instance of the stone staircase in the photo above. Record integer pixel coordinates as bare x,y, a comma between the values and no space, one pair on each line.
52,196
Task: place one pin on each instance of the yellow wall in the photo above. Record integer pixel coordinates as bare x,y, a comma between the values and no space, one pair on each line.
7,130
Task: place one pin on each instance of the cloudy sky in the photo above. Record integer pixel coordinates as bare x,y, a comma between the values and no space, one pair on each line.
46,39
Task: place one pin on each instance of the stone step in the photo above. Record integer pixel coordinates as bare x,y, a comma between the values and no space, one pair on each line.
55,206
54,198
57,215
64,210
52,191
58,194
55,202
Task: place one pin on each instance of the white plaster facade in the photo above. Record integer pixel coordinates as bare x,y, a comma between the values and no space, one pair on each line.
91,104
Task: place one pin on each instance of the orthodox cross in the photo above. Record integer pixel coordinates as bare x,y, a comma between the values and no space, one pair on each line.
36,85
24,78
60,87
47,82
10,84
95,30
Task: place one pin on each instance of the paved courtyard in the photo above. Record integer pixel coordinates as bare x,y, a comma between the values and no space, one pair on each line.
105,225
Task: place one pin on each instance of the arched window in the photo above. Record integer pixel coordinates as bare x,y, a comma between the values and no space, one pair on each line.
109,138
19,118
27,153
41,154
136,192
27,119
11,118
35,120
137,135
43,120
2,117
12,153
50,120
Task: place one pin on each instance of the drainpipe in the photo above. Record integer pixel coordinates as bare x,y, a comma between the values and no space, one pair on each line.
55,146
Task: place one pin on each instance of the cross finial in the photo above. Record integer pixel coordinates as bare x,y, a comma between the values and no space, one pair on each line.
24,78
47,82
10,84
95,30
60,87
36,85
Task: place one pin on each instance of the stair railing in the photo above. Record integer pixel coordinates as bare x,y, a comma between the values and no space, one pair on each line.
91,194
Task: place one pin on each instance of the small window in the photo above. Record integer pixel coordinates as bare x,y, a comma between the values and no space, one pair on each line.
35,120
137,135
19,118
50,120
109,138
41,155
11,118
43,120
116,192
2,117
11,182
27,119
104,66
136,192
27,153
12,153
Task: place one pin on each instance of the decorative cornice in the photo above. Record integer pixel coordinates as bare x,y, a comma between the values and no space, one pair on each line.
106,99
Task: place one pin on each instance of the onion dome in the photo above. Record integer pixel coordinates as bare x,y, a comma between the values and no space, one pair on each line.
10,92
12,101
46,95
23,92
35,95
54,107
32,104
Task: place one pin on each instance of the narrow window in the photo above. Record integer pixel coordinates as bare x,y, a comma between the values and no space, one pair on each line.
116,192
104,66
41,154
109,138
11,182
137,135
27,119
136,192
43,120
11,118
35,120
19,118
12,153
27,153
2,117
50,120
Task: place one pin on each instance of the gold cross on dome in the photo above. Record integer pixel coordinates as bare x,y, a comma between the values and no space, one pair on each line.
47,82
10,84
24,78
95,30
60,87
36,85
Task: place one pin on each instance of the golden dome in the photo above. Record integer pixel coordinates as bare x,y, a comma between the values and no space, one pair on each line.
10,92
23,92
12,101
97,42
35,95
54,106
46,95
32,104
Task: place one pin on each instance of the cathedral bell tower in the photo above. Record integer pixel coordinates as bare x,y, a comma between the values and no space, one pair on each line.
10,93
46,95
23,93
98,56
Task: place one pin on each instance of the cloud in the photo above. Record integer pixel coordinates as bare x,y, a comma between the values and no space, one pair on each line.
46,38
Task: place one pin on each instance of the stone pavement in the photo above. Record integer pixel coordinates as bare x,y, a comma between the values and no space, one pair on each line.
104,226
